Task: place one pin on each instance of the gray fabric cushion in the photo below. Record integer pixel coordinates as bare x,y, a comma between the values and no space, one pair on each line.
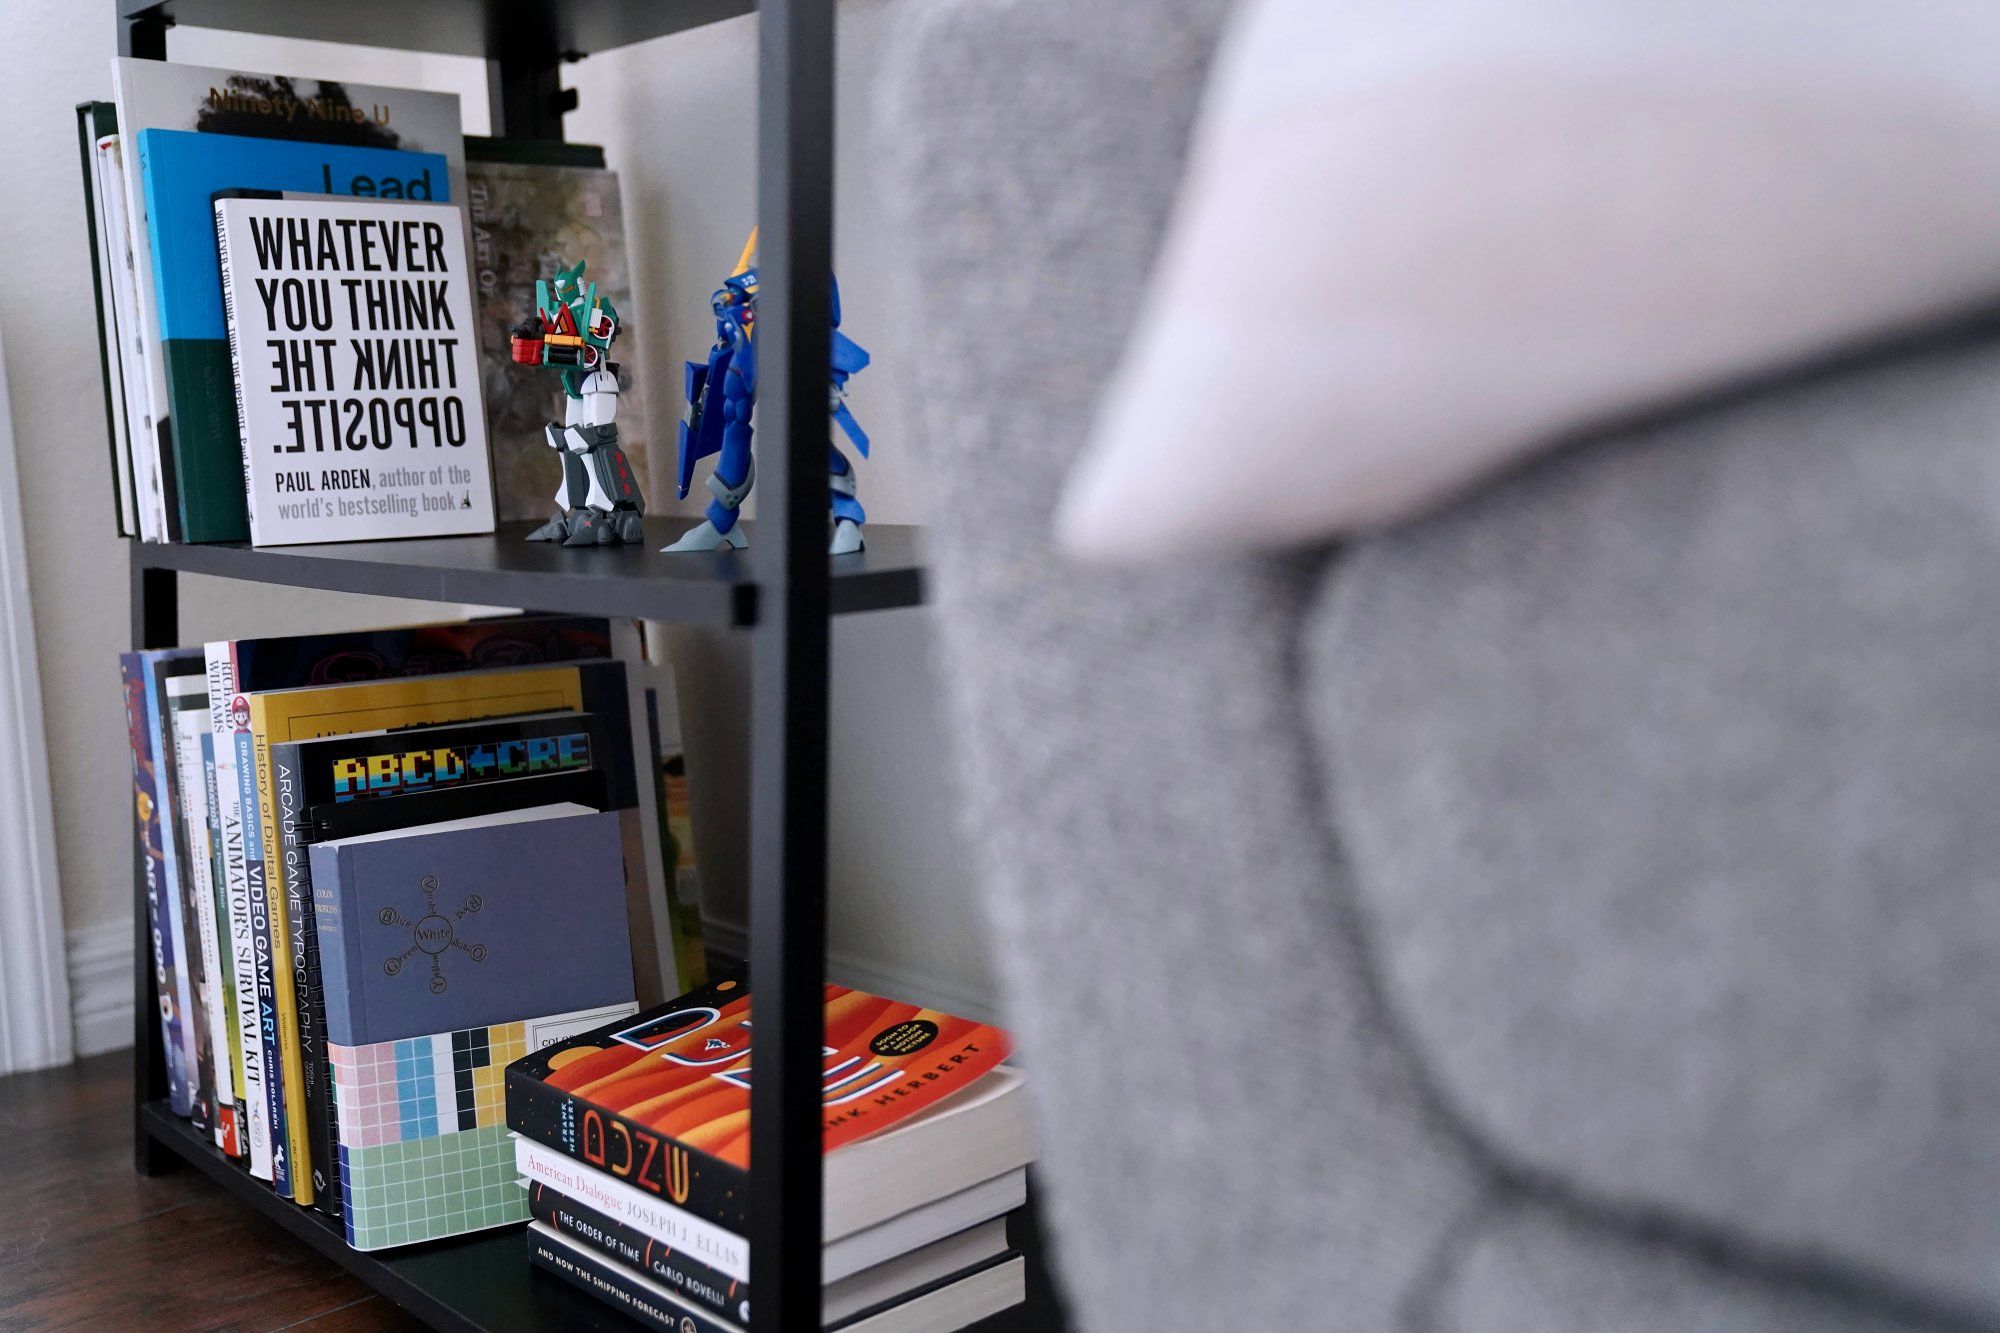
1219,1139
1530,1268
1341,905
1668,772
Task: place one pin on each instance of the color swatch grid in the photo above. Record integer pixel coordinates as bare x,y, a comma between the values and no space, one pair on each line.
422,1123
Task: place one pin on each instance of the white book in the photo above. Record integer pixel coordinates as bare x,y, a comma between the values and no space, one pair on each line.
257,1075
105,181
149,501
357,368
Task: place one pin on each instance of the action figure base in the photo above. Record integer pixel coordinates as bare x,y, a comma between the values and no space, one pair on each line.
591,527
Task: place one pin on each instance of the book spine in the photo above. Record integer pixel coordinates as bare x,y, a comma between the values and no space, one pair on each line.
232,1133
311,1019
619,1288
146,831
288,1070
198,923
256,868
696,1283
337,990
160,723
629,1151
87,114
236,370
249,1047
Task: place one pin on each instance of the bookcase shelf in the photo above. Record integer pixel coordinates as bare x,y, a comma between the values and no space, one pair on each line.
715,587
782,593
482,1283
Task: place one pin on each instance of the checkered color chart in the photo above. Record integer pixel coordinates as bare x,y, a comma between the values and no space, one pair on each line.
424,1147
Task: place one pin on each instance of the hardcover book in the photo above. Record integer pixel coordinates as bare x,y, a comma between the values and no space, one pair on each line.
391,775
289,715
182,170
200,492
356,369
444,951
97,122
525,214
663,1103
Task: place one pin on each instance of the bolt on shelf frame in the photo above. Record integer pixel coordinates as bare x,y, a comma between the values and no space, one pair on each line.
789,629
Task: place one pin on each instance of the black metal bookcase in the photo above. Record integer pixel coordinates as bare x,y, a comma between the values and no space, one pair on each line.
780,592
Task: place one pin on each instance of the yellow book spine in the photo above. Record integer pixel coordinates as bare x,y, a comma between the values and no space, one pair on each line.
290,1062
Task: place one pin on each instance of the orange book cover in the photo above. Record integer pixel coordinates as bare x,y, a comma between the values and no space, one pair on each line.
662,1100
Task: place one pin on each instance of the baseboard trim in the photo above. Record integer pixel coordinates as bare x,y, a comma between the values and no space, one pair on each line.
849,969
100,986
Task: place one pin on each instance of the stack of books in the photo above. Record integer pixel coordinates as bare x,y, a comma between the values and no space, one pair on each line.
311,392
634,1142
378,867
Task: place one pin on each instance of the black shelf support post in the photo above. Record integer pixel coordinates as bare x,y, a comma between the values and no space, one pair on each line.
788,726
155,624
524,73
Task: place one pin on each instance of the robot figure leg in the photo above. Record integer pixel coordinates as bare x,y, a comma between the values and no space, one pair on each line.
735,473
570,496
848,515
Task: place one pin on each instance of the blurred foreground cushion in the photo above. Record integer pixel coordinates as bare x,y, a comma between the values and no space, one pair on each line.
1419,242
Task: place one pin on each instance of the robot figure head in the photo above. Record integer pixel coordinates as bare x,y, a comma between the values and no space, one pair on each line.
567,285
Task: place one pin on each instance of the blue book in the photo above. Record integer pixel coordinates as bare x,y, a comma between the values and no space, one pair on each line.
182,170
445,952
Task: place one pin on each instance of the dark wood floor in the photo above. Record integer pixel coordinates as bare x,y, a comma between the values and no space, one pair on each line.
86,1242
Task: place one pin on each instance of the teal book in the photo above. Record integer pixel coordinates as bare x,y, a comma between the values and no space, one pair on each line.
182,171
446,951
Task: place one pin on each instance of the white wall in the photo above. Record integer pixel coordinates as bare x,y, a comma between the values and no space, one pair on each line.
676,117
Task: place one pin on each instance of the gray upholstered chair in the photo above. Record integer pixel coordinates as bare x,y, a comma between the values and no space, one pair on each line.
1577,910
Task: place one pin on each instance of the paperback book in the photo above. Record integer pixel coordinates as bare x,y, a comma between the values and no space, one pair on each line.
356,368
663,1103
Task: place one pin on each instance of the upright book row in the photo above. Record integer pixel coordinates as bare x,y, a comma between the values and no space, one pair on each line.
304,290
377,866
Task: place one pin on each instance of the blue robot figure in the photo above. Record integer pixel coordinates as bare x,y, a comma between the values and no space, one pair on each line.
720,396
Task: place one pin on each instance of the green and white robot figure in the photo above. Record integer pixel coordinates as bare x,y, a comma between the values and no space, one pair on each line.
571,331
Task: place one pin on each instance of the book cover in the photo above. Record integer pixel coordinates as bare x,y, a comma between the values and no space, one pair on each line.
356,369
663,1102
444,951
290,715
96,121
181,171
161,94
151,856
525,216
